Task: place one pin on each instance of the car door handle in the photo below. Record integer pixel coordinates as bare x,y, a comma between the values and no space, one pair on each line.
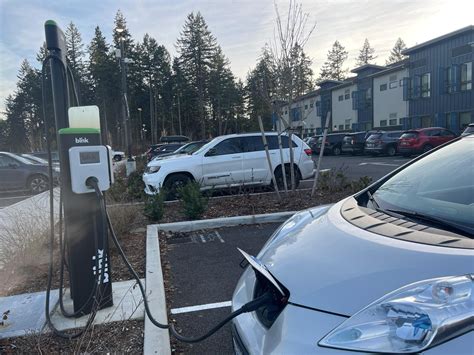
239,157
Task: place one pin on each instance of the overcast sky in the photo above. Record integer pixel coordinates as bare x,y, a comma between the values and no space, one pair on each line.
242,27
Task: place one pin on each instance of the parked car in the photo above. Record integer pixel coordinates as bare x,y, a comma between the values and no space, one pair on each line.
44,155
313,143
157,150
421,140
469,129
188,148
383,142
333,143
18,173
353,143
387,270
231,160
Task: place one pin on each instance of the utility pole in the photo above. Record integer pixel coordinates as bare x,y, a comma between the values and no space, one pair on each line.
131,164
179,114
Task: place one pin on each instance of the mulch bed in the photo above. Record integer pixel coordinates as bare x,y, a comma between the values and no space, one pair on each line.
118,337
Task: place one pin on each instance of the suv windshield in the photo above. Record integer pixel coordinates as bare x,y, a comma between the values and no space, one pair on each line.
441,185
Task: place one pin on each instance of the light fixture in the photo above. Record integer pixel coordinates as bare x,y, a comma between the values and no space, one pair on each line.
119,30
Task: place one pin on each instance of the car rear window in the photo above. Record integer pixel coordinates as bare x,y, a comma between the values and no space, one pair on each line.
408,135
374,136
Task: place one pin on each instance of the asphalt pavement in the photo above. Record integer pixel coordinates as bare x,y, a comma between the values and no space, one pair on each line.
205,267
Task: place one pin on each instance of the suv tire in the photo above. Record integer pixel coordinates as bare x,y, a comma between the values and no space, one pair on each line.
279,177
391,150
173,183
336,150
426,148
37,184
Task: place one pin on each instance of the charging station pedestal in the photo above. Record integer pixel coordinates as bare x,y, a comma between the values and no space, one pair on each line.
83,225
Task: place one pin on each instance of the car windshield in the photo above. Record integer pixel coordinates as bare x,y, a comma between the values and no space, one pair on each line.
206,146
34,160
24,160
440,185
190,148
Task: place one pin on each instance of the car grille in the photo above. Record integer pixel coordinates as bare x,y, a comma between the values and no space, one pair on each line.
270,312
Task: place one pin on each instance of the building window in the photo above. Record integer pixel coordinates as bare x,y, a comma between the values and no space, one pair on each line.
347,94
393,84
383,123
464,120
286,112
426,85
393,115
400,121
341,127
392,122
383,87
341,97
466,76
311,105
305,107
392,77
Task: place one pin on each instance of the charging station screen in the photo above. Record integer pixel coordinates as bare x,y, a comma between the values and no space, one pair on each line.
89,157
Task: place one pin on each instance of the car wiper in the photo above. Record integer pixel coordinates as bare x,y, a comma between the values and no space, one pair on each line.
440,222
374,201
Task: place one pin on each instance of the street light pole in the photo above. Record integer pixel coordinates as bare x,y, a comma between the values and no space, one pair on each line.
131,165
141,125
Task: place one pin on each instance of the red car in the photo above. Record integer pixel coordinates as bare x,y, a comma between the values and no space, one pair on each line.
421,140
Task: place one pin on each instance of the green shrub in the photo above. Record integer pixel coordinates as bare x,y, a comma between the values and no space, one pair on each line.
155,206
193,202
361,184
135,186
333,180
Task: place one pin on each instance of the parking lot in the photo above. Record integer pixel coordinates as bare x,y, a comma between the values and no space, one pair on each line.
204,269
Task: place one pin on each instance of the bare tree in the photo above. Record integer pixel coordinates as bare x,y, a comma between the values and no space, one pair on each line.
291,33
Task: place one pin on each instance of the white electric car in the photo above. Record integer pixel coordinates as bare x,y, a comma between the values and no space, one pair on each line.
388,270
231,160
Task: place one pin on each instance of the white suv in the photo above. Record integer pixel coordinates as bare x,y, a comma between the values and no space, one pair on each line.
231,160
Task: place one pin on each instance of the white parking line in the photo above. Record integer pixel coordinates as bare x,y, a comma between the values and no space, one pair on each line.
381,164
219,236
201,307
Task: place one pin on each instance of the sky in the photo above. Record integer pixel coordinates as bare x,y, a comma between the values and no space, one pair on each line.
242,27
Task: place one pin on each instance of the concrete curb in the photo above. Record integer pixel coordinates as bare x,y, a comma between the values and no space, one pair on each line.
156,340
189,226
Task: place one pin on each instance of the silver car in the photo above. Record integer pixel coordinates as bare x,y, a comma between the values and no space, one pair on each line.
388,270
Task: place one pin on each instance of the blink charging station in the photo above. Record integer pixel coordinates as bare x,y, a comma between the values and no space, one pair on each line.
84,163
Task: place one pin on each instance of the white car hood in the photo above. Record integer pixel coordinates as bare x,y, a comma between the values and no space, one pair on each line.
334,266
171,159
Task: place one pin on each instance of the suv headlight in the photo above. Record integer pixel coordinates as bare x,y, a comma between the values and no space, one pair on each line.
152,169
410,319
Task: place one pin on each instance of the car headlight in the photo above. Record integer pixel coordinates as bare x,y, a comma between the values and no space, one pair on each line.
152,169
410,319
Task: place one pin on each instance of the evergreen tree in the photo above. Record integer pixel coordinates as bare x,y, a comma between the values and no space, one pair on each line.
105,81
4,134
17,140
366,54
196,47
261,89
302,72
332,68
396,53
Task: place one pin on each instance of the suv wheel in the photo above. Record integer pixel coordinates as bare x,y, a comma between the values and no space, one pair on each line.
173,183
427,148
38,184
279,178
391,150
336,150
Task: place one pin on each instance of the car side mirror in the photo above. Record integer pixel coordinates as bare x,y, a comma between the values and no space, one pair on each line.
211,152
